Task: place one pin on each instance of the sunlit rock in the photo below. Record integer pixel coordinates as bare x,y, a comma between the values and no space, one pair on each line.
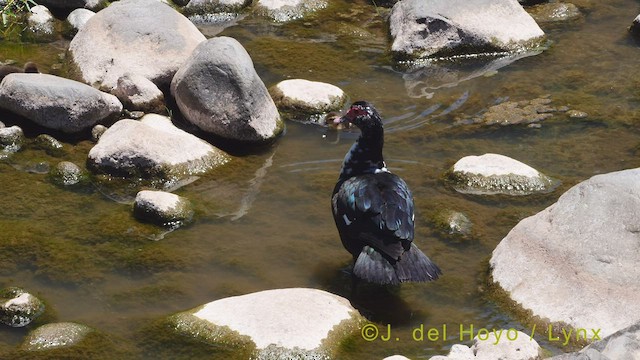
218,90
490,174
18,308
57,103
55,335
152,147
288,10
162,208
624,344
66,173
40,24
137,37
554,12
426,28
138,93
203,7
396,357
577,260
307,101
284,323
496,345
78,18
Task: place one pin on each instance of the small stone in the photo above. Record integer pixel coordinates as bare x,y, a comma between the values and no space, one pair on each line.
41,26
56,335
49,144
554,12
11,138
453,223
97,131
305,100
162,208
67,173
577,114
18,308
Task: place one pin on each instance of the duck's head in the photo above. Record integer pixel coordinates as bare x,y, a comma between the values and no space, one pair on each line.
363,115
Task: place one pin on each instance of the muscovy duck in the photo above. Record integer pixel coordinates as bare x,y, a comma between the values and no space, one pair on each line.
373,209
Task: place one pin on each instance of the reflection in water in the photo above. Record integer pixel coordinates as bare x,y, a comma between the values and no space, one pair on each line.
253,190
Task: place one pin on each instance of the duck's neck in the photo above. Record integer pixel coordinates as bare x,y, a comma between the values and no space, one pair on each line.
365,156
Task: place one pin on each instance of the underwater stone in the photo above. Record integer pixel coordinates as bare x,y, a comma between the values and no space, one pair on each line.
49,144
298,323
18,308
577,260
453,223
162,208
67,173
11,138
556,11
56,335
491,174
305,100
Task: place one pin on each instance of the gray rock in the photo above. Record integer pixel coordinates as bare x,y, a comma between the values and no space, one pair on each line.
67,174
492,347
49,144
288,10
292,323
55,335
218,90
490,174
576,261
40,24
78,18
137,37
166,152
307,101
138,93
62,104
424,28
18,308
11,139
162,208
554,12
622,345
97,131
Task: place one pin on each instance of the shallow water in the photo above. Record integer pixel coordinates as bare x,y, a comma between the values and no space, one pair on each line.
264,221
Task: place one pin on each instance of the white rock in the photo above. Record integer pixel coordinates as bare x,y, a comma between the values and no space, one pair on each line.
41,20
577,260
497,174
19,308
293,319
287,10
396,357
153,146
310,97
457,352
78,17
138,93
522,347
162,207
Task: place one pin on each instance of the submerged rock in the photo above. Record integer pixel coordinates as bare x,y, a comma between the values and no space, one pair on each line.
49,144
428,28
517,112
577,261
55,335
218,90
162,208
624,344
518,347
137,93
152,147
453,223
288,10
66,173
554,11
307,101
490,174
137,37
18,308
62,104
284,323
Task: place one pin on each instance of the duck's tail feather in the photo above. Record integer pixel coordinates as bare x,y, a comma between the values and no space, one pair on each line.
414,266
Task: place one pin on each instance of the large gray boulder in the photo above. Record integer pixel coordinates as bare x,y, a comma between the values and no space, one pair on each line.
152,147
577,261
136,37
56,103
292,323
622,345
218,90
424,28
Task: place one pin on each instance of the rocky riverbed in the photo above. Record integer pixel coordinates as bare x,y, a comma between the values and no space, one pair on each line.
166,178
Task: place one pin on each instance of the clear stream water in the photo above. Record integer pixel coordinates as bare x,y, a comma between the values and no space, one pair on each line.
264,221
